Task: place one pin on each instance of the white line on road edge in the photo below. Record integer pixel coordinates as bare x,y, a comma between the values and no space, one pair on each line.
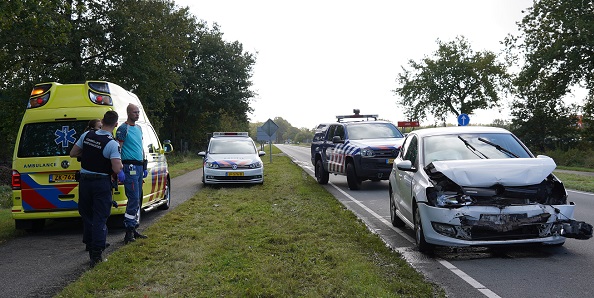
471,281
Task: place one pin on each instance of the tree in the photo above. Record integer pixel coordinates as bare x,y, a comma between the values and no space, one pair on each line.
214,93
456,80
153,48
556,42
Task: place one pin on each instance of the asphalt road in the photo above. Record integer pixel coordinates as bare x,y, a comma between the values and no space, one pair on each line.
518,271
42,264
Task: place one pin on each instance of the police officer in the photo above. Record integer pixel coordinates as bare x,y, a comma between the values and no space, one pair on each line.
129,135
100,159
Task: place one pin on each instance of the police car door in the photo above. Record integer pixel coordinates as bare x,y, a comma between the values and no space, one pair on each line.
335,149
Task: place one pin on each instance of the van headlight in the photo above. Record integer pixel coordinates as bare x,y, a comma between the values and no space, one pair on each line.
366,152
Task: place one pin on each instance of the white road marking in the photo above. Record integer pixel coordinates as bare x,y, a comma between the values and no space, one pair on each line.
465,277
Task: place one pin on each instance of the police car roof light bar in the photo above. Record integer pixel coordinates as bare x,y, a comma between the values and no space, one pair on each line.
229,134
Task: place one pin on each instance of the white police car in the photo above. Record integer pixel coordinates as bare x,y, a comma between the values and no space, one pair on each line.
232,157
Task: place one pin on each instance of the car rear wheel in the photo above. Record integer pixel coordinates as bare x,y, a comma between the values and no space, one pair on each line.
321,175
422,245
394,219
352,179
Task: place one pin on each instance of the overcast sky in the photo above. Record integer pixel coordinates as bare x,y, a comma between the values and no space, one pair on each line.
319,59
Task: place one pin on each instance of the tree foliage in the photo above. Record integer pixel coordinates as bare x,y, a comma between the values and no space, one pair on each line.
455,80
185,74
556,43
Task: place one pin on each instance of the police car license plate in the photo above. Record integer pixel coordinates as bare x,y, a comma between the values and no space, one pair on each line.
61,178
234,173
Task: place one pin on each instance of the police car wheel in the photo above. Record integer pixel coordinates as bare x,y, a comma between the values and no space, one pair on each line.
321,175
352,179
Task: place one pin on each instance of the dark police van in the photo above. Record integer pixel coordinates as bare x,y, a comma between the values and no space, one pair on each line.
359,147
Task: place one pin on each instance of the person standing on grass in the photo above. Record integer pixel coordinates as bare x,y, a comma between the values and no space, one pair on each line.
100,159
129,135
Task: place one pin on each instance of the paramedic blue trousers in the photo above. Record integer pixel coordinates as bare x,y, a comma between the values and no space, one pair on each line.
133,188
94,206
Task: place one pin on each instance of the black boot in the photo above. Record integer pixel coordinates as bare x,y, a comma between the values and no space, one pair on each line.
95,256
129,236
137,235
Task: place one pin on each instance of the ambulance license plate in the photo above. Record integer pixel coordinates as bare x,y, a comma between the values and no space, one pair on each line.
53,178
234,173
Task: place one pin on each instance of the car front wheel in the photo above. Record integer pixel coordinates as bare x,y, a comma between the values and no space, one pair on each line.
422,245
321,175
167,197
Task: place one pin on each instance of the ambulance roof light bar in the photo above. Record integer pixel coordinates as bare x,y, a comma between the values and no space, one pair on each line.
355,115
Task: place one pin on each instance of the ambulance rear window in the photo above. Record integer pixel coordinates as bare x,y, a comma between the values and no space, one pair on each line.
50,138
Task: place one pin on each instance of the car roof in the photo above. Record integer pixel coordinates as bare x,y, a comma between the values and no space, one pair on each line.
458,130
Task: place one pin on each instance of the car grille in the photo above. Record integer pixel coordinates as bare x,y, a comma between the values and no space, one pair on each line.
385,152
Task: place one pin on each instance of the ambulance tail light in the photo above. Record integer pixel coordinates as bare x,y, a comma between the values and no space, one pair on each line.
99,93
16,180
39,96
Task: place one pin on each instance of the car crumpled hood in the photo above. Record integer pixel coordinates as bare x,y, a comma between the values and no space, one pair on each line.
487,172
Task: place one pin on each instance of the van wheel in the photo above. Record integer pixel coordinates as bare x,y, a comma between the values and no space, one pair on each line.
352,179
167,197
321,175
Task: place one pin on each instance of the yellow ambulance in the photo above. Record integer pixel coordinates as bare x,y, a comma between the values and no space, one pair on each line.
43,173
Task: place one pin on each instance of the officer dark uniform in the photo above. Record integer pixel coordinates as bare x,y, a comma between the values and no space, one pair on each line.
100,158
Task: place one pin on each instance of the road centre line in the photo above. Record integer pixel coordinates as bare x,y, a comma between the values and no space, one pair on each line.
465,277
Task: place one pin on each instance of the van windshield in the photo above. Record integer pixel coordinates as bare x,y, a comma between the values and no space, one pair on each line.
50,138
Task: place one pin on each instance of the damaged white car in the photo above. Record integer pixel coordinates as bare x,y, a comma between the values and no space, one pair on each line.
478,186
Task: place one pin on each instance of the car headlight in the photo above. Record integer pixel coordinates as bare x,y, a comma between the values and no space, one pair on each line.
256,165
366,152
212,165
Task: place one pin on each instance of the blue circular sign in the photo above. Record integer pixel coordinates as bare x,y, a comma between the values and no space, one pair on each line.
463,119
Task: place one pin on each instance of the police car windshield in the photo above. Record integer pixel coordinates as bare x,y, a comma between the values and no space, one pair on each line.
362,131
233,146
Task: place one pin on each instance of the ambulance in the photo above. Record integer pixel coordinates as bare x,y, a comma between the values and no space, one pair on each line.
44,182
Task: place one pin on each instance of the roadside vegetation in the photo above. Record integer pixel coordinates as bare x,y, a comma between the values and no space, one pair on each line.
288,237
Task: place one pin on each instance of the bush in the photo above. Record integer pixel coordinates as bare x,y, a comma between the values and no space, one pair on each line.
572,157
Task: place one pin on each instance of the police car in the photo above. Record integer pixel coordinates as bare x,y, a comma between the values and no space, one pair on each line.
232,157
357,146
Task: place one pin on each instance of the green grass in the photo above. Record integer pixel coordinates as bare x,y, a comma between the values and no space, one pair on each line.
286,238
577,182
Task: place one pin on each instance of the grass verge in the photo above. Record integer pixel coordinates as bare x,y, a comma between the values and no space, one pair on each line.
286,238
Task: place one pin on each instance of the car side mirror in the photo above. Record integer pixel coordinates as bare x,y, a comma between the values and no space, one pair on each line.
261,153
337,139
167,146
202,153
406,165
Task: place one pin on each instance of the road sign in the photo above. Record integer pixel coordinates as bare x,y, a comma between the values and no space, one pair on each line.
408,123
261,136
463,119
269,127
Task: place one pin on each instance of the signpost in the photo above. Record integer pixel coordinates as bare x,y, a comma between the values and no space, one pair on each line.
463,119
269,128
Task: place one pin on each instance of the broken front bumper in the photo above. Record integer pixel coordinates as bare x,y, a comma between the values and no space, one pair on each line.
495,225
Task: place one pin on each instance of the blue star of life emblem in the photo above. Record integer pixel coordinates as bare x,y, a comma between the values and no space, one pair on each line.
65,136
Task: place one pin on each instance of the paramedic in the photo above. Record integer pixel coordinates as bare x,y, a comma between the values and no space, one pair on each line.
129,135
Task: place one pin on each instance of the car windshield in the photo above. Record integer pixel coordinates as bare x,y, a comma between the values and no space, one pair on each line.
232,146
362,131
472,146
